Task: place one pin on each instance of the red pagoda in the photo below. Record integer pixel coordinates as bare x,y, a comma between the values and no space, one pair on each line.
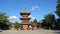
25,19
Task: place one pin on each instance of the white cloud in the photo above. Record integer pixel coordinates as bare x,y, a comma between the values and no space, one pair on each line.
35,7
13,17
32,18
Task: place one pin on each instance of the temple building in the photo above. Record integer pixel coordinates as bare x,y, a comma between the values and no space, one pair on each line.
25,19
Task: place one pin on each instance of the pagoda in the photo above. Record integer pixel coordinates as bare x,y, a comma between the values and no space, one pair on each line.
25,19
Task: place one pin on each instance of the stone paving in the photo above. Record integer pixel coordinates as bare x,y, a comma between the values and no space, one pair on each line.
27,32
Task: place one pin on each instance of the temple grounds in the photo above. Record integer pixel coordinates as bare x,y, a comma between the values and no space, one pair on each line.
41,31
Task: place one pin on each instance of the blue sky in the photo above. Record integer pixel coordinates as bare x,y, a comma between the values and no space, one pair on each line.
38,8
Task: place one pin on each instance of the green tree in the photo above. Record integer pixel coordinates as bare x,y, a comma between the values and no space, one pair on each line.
58,8
4,22
58,13
34,21
50,19
44,23
16,25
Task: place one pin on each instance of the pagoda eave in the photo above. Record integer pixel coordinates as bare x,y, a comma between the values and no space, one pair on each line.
25,13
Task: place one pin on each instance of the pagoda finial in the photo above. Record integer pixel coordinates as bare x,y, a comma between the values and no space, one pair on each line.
25,10
24,7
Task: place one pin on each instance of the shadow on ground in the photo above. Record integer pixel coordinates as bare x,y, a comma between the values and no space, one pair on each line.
57,32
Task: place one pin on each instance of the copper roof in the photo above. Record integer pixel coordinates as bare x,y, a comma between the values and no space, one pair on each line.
25,11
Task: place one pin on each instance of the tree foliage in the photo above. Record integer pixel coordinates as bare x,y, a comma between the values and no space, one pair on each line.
44,23
49,20
58,13
35,21
16,25
4,22
58,8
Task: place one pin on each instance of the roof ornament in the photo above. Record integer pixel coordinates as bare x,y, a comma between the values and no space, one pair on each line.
25,8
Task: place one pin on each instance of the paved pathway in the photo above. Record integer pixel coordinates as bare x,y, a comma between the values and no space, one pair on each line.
27,32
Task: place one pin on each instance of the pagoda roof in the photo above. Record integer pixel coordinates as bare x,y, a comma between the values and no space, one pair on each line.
25,11
25,18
